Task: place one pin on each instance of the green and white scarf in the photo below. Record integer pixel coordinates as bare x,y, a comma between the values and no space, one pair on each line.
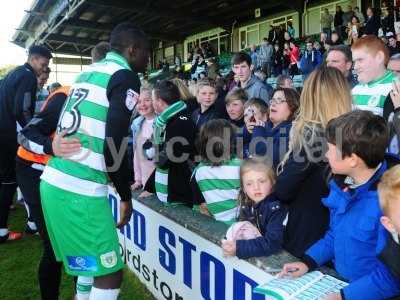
161,176
161,121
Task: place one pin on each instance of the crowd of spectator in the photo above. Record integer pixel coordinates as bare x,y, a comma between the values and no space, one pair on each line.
278,204
299,168
280,53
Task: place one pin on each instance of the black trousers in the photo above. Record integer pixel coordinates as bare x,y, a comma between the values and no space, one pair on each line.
8,151
49,272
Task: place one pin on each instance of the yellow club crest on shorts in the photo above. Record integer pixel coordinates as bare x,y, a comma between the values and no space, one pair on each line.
109,259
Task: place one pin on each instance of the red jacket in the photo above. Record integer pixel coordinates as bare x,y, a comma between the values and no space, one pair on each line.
294,55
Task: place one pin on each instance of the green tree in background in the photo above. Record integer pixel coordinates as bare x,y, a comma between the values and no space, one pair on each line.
5,69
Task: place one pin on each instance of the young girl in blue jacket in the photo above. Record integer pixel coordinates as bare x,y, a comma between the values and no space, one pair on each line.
257,179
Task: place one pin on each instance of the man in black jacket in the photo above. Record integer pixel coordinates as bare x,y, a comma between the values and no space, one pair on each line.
338,20
372,23
17,104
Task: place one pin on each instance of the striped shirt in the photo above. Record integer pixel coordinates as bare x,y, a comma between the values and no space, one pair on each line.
84,117
371,96
220,188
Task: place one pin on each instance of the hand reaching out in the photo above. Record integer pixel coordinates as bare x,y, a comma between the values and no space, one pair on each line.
228,247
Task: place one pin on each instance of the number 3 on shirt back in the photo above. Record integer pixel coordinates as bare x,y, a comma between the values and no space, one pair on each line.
70,118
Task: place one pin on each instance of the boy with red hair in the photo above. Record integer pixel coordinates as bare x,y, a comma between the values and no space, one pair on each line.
370,57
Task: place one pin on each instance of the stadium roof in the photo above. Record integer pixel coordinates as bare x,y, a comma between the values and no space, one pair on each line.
75,26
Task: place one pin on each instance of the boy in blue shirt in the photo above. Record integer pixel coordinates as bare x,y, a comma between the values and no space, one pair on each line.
356,153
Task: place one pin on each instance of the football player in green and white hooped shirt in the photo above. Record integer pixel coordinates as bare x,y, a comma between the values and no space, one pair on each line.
370,57
74,191
216,182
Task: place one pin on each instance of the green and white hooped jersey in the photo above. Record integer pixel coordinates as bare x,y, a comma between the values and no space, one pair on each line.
371,96
84,117
220,188
161,184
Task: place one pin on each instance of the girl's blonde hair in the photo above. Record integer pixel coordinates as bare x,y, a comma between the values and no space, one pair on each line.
146,87
258,164
183,89
326,95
